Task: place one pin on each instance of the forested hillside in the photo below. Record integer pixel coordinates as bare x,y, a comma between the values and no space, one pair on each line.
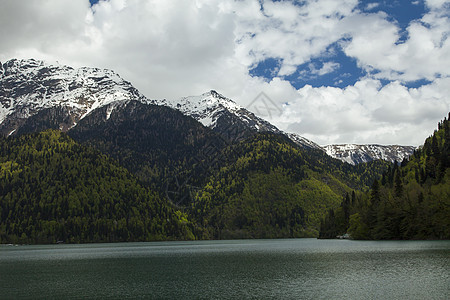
270,187
171,178
53,189
156,143
410,200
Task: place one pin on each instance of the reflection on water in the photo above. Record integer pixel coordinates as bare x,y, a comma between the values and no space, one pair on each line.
283,269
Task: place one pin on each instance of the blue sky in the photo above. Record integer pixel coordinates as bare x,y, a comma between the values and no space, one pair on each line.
344,71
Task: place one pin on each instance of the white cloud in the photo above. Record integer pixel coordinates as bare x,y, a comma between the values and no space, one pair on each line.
40,26
367,112
371,6
170,48
377,46
287,31
436,4
327,67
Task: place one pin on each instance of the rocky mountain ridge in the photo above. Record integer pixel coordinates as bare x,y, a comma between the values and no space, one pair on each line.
64,95
211,108
29,86
356,154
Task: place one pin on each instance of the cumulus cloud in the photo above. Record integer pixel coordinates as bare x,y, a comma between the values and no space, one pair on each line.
313,72
41,26
424,54
169,49
367,112
436,4
292,33
371,6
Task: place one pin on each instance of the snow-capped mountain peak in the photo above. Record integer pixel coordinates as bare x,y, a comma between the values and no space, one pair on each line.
64,95
298,139
28,86
224,116
205,108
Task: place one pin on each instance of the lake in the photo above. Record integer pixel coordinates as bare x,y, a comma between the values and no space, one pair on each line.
238,269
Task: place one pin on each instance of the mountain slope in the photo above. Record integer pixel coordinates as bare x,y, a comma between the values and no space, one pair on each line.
227,118
157,143
29,86
411,201
356,154
265,189
53,189
268,186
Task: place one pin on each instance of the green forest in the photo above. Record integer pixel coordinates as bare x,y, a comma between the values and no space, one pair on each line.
54,189
150,173
411,200
266,190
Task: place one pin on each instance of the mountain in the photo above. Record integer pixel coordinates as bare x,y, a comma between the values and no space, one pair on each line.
411,201
235,122
232,121
35,95
54,189
356,154
158,144
301,141
222,115
61,96
237,177
28,87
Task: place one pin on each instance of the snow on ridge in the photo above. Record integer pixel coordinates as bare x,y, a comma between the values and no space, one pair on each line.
207,101
30,85
355,154
298,139
208,107
205,108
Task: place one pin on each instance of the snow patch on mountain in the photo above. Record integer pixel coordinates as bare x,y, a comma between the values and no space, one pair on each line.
206,108
28,86
209,107
303,141
355,154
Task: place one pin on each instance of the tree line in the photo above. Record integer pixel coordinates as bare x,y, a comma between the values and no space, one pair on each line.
411,200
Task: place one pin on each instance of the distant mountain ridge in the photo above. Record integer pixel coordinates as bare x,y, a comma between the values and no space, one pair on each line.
356,154
35,95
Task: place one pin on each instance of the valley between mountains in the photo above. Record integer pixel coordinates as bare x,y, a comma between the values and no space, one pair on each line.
85,157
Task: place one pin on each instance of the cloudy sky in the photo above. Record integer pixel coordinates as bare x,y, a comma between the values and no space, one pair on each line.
339,71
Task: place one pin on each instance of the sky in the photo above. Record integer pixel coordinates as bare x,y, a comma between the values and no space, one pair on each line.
336,71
